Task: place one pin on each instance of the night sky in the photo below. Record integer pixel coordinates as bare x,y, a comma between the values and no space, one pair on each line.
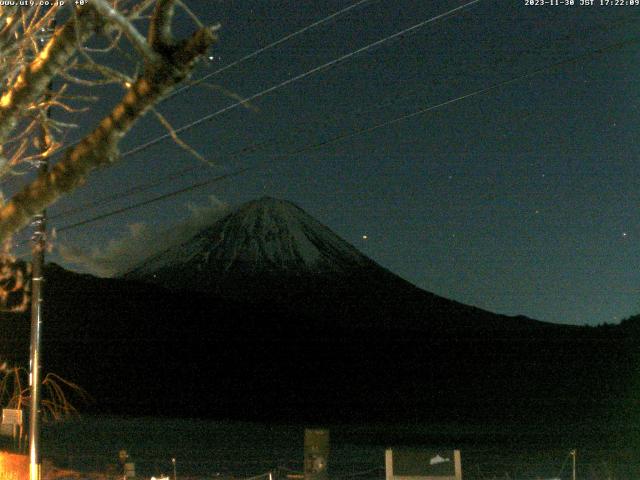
519,200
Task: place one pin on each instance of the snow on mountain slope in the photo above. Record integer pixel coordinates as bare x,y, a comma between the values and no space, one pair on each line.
263,236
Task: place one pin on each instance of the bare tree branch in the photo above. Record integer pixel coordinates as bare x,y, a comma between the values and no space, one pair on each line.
181,143
160,35
31,57
32,81
137,39
100,147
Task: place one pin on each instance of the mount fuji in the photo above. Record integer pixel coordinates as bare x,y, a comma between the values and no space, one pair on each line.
272,250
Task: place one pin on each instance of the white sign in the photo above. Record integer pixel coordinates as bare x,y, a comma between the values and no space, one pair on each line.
11,416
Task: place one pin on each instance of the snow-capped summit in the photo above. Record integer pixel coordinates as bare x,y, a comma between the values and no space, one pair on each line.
267,236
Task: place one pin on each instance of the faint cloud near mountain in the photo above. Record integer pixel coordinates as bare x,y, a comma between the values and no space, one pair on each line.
142,241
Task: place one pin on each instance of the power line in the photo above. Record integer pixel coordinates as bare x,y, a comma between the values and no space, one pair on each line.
319,68
118,196
263,49
274,141
353,133
253,54
286,82
484,90
253,148
273,88
289,81
153,200
139,189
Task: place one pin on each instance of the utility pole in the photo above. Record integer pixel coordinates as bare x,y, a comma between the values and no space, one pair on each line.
573,456
37,279
38,247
